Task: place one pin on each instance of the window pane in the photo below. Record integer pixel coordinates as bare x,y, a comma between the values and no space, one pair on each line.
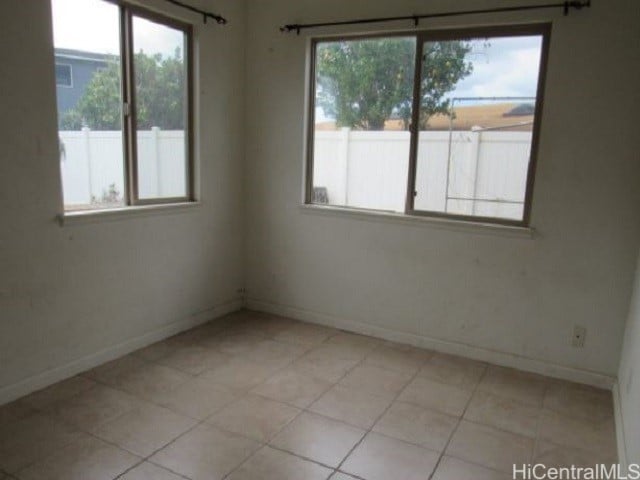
363,92
477,110
63,75
87,57
161,109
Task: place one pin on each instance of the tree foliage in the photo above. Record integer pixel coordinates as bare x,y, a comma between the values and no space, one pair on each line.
364,83
159,90
361,82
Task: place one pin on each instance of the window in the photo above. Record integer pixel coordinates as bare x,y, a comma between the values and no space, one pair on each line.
125,128
63,75
441,123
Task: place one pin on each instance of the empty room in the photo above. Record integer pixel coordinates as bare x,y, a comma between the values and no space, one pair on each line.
320,239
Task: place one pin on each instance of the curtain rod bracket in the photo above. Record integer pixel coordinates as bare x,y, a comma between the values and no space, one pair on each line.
220,20
576,5
292,27
566,6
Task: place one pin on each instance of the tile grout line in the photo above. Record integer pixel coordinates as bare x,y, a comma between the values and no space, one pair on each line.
460,418
203,421
241,393
394,399
245,391
303,410
76,429
100,382
536,439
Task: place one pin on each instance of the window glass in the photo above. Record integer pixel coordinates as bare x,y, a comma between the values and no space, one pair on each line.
63,75
477,117
87,40
123,98
363,92
466,151
161,109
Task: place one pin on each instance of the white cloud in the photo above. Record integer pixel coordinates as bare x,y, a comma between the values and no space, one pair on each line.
94,26
507,67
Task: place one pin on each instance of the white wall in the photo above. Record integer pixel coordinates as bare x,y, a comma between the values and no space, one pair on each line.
67,293
629,377
507,298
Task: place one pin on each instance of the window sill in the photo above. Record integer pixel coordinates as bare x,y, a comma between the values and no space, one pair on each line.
96,216
420,221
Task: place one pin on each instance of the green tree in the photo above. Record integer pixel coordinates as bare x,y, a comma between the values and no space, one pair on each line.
159,94
362,83
443,67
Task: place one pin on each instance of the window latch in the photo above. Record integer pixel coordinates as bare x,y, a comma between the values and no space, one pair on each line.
126,109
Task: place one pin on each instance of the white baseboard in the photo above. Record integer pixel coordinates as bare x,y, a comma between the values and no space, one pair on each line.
48,377
619,421
470,351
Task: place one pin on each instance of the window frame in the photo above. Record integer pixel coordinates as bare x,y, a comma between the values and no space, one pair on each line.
126,12
421,37
62,85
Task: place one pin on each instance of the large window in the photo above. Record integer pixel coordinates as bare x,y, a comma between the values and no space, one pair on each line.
124,121
441,123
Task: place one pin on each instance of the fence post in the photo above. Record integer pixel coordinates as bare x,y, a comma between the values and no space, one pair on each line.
87,151
155,152
476,137
343,154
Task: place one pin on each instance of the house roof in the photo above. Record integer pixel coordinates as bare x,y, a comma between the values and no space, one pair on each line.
71,54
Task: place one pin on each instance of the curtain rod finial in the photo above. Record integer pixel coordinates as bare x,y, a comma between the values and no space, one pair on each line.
577,4
290,28
205,14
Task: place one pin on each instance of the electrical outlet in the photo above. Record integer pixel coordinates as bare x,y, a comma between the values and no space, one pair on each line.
579,334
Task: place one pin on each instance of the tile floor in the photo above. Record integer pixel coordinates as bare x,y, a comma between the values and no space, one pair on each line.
258,397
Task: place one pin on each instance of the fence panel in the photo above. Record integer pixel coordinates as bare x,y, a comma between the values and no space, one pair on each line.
469,172
378,163
92,165
487,170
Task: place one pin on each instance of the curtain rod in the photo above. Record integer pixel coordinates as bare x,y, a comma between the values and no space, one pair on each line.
205,15
566,6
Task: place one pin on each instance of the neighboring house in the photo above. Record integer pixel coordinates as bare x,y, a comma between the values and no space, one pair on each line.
74,70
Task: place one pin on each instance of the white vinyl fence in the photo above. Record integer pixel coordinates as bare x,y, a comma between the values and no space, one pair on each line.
482,173
92,164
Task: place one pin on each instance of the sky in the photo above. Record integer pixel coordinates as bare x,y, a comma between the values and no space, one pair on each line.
94,26
502,67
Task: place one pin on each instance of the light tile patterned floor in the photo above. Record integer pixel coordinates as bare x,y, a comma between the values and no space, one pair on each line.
255,396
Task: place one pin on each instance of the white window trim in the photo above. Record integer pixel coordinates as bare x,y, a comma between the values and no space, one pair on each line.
80,217
451,224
